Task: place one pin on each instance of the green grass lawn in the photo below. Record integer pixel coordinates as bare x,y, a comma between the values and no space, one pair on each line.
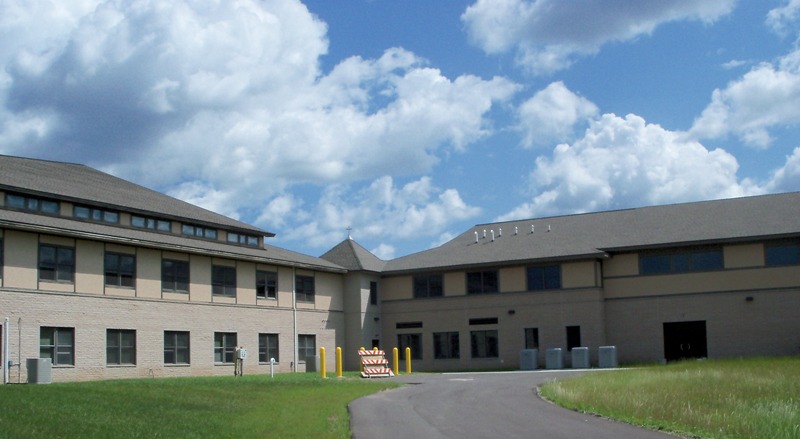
748,398
287,406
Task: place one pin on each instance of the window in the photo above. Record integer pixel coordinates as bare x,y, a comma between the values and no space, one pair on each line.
445,345
267,348
266,284
482,282
224,347
784,253
176,347
223,281
239,238
484,344
704,259
413,341
483,321
56,263
33,204
120,270
200,232
373,293
428,286
531,338
57,344
151,223
95,214
546,277
120,346
573,337
174,275
306,346
407,325
1,257
304,286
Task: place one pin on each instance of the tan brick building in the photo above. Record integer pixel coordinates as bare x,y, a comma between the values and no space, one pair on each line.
112,280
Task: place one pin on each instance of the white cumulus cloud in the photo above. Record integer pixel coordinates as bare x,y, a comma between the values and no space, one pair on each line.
551,115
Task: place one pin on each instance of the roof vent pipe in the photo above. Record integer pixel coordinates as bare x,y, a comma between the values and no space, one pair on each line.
476,237
499,232
548,227
484,233
532,227
492,235
516,230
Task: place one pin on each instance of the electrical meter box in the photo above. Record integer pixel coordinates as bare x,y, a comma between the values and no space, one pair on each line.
242,354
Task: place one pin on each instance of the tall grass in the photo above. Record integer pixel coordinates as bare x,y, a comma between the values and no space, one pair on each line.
745,398
288,406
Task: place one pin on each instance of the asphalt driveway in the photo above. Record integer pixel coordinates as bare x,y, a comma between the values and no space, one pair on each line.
479,406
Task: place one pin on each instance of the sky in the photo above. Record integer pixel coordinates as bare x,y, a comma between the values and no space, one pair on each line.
408,122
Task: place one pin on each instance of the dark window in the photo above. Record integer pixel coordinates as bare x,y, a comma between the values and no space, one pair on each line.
407,325
304,286
483,321
482,282
531,338
58,344
224,347
705,259
56,263
239,238
1,257
306,346
266,284
176,347
785,253
120,270
174,275
33,204
484,344
430,285
120,346
373,293
413,341
200,232
151,223
545,277
573,337
95,214
268,348
445,345
223,281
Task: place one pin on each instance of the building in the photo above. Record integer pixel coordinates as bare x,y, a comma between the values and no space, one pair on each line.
113,280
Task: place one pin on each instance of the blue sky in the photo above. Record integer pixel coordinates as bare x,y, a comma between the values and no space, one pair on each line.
410,121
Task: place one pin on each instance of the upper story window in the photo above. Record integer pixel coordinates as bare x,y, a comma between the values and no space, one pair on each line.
143,222
56,263
223,281
681,261
33,204
200,232
782,253
240,238
95,214
266,284
174,275
482,282
120,270
544,277
428,285
373,293
304,286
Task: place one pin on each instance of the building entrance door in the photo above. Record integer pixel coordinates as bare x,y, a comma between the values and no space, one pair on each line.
685,340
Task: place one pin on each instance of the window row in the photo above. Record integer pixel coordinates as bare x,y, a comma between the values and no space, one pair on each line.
58,344
57,263
540,277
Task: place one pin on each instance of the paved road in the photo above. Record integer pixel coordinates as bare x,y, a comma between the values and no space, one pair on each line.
479,405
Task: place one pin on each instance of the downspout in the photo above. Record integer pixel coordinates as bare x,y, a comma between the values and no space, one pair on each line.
5,351
294,316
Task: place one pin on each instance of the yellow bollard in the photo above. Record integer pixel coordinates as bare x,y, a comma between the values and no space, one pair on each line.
408,360
322,371
395,361
338,362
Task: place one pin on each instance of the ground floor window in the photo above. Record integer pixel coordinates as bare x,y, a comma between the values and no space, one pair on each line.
267,347
306,346
484,344
413,341
573,337
531,338
120,346
58,344
224,347
445,345
176,347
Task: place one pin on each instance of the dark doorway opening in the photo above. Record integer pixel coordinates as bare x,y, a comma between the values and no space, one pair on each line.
684,340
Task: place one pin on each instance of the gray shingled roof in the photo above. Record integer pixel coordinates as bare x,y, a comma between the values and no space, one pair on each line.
351,255
82,183
142,237
594,234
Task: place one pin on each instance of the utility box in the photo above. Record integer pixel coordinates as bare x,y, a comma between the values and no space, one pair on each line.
607,357
580,358
554,359
39,370
529,359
